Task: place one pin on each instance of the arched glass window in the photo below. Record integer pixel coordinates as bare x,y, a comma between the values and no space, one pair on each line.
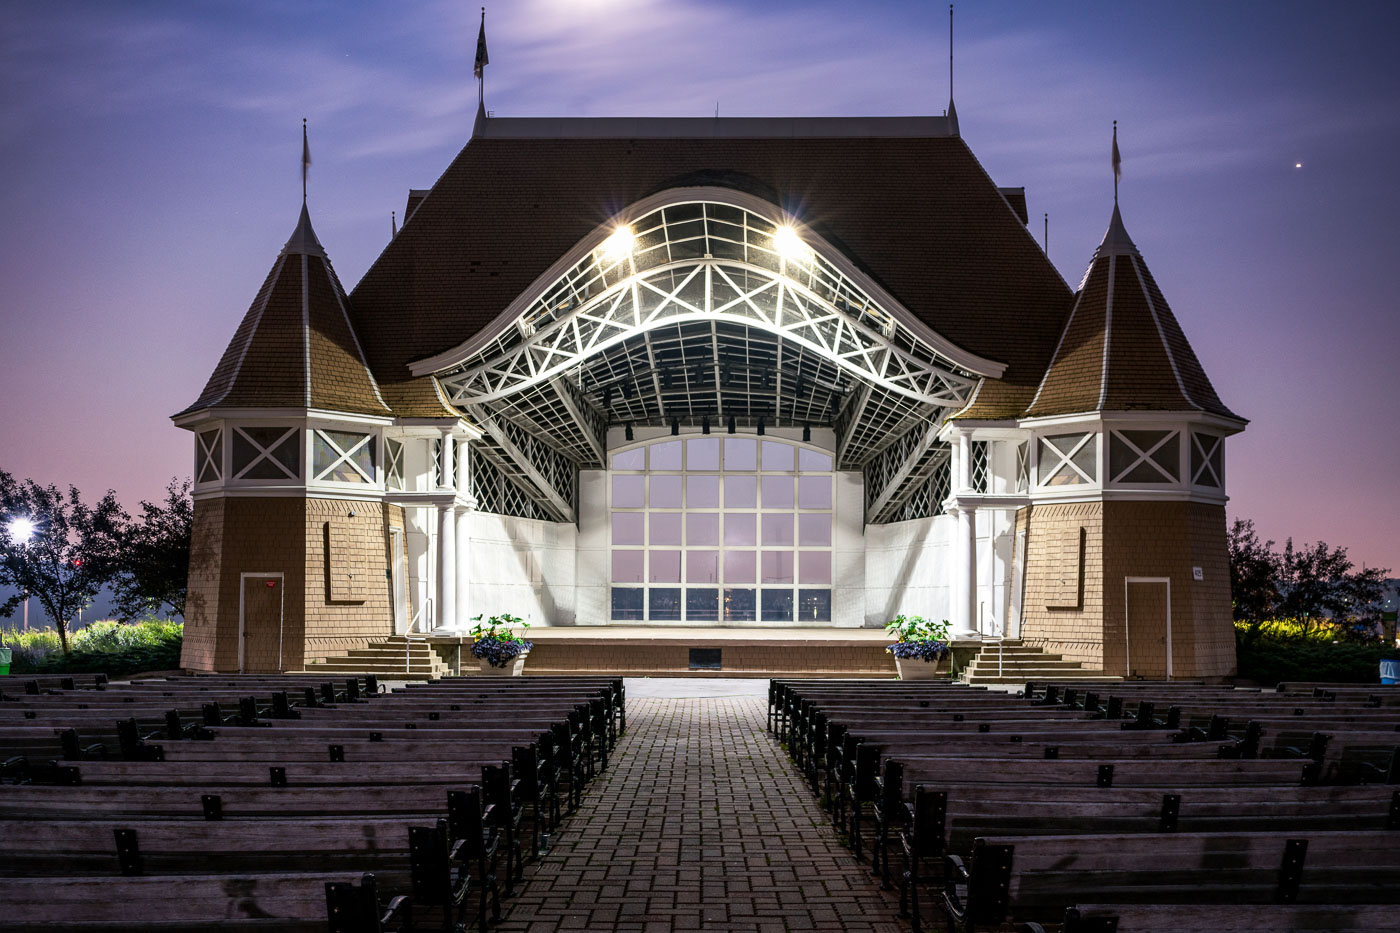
721,530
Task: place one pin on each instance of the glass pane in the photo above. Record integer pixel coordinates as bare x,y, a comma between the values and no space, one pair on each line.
740,492
739,567
1168,456
1087,458
628,492
814,567
702,492
777,492
627,566
777,605
739,528
814,492
665,492
288,453
666,456
814,605
814,530
777,529
702,528
740,453
626,604
665,567
702,453
628,528
665,528
777,567
702,605
1143,473
635,459
665,604
777,455
243,451
738,605
702,566
812,461
1120,454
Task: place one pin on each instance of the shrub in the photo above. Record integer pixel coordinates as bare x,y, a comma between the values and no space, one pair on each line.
1288,651
107,647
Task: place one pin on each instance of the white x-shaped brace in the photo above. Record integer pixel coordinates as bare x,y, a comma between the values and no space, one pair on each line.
345,455
265,453
1145,456
1067,459
1206,454
206,452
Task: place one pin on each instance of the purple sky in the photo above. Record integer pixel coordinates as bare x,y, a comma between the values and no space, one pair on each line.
150,158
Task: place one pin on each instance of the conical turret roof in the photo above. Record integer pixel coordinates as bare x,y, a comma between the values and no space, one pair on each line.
1122,349
296,347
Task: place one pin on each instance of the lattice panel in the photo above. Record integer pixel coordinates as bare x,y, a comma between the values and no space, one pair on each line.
981,472
497,494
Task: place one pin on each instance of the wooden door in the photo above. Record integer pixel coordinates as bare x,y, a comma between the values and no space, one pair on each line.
261,624
1149,627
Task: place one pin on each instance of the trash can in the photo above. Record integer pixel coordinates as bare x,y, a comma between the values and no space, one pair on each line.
1390,670
4,660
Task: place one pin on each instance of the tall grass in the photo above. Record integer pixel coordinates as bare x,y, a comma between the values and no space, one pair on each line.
110,647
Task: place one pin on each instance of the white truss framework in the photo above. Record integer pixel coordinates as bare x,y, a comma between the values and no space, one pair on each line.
707,261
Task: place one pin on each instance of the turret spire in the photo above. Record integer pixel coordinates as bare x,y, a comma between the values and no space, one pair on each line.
305,160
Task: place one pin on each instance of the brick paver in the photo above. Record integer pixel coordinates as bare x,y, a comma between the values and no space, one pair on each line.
700,823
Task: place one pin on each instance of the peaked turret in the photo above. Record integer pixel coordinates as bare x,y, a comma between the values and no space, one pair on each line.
1122,348
296,347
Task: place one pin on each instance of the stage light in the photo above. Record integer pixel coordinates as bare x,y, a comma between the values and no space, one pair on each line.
731,424
789,245
618,246
705,425
806,434
675,426
760,427
627,430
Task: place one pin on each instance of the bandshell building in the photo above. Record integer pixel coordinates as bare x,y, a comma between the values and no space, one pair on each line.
712,373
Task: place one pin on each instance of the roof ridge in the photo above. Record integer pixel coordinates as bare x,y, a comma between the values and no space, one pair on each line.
1107,331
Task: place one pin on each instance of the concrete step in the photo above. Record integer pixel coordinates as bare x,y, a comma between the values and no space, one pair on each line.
983,663
1085,676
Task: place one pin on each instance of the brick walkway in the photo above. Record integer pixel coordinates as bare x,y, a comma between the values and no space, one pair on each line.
700,823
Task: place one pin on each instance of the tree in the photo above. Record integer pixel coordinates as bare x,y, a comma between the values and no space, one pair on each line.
1305,584
70,554
1254,573
1317,581
153,557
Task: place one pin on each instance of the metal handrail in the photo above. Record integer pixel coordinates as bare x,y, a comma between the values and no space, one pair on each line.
425,612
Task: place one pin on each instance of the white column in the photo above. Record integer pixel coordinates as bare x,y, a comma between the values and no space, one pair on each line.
964,621
447,541
447,568
464,570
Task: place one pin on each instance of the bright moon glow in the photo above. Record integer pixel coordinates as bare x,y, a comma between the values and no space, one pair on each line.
789,244
21,530
618,246
1297,164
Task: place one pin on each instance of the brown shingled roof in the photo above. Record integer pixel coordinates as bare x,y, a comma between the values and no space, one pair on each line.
1122,349
295,348
918,214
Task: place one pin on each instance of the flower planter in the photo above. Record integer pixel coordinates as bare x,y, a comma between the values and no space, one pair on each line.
1390,672
915,669
512,668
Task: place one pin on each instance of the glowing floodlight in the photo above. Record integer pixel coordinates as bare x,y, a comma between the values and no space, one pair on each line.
618,246
21,530
789,245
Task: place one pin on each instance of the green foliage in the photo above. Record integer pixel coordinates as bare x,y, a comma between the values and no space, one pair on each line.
153,556
916,628
1270,660
109,647
498,628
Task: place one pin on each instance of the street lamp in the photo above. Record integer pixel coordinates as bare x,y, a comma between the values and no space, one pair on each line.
21,530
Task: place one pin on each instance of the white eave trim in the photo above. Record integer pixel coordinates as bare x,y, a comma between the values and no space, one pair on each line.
971,362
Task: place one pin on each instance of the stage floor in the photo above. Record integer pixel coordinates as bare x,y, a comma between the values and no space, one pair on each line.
709,637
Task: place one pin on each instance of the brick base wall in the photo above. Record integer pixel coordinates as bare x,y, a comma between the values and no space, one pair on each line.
348,602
